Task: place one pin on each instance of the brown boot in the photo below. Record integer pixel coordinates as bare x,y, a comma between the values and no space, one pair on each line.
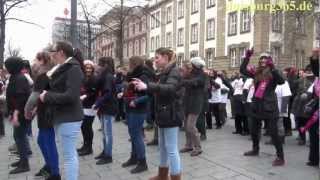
175,177
162,174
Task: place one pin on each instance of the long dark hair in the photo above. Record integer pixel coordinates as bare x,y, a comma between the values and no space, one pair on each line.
77,54
107,64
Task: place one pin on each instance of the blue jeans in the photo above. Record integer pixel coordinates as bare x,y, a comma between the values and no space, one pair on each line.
107,134
135,127
20,136
169,153
47,144
68,133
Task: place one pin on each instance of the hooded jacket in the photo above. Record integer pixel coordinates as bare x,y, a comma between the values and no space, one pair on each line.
18,89
140,98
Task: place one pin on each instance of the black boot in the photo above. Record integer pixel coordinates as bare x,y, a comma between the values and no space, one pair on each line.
15,164
22,167
44,172
100,156
55,177
252,153
104,160
131,161
141,166
86,151
82,148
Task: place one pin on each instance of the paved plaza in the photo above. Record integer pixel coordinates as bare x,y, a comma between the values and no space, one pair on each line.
222,159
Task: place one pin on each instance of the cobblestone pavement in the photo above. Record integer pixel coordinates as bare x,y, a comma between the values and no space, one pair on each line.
222,159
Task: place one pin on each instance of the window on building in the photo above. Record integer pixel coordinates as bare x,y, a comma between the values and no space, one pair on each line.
211,3
169,14
277,22
318,27
169,39
180,9
143,46
152,20
137,47
232,24
157,19
296,57
140,26
210,29
209,57
157,42
194,33
180,59
152,44
245,21
193,54
275,52
133,29
180,37
242,52
300,24
125,50
194,6
302,59
233,57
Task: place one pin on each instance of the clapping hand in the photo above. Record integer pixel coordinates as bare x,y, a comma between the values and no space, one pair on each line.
139,85
249,53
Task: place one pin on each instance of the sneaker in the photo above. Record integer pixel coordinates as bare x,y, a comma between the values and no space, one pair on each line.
55,177
86,151
278,162
44,172
15,164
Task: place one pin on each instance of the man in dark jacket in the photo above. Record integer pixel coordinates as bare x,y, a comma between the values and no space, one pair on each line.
64,100
17,94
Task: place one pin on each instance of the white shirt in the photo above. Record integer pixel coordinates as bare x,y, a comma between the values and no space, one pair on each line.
237,85
216,93
224,97
250,87
283,90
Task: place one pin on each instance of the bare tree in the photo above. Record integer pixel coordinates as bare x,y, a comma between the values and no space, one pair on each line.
6,6
13,51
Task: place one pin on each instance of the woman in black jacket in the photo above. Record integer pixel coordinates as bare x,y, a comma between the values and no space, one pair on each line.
107,106
166,101
88,98
46,136
17,94
137,107
264,103
63,99
194,98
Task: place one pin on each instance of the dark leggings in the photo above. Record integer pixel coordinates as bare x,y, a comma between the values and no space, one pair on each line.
272,130
2,131
87,131
314,143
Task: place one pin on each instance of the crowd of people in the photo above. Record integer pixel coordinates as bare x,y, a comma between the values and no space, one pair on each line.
65,93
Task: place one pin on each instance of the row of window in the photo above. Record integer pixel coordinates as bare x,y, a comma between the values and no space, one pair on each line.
155,17
134,49
133,28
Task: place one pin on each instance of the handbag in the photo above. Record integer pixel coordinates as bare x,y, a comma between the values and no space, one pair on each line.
310,107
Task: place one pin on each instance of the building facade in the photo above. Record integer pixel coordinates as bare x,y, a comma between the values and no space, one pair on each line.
134,35
61,32
221,31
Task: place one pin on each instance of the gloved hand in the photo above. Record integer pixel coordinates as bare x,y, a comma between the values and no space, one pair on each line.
269,63
251,69
249,53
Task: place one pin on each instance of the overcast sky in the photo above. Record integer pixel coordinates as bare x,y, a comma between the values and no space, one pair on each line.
29,38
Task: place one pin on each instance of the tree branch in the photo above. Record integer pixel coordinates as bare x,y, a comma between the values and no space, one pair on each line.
25,21
13,5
